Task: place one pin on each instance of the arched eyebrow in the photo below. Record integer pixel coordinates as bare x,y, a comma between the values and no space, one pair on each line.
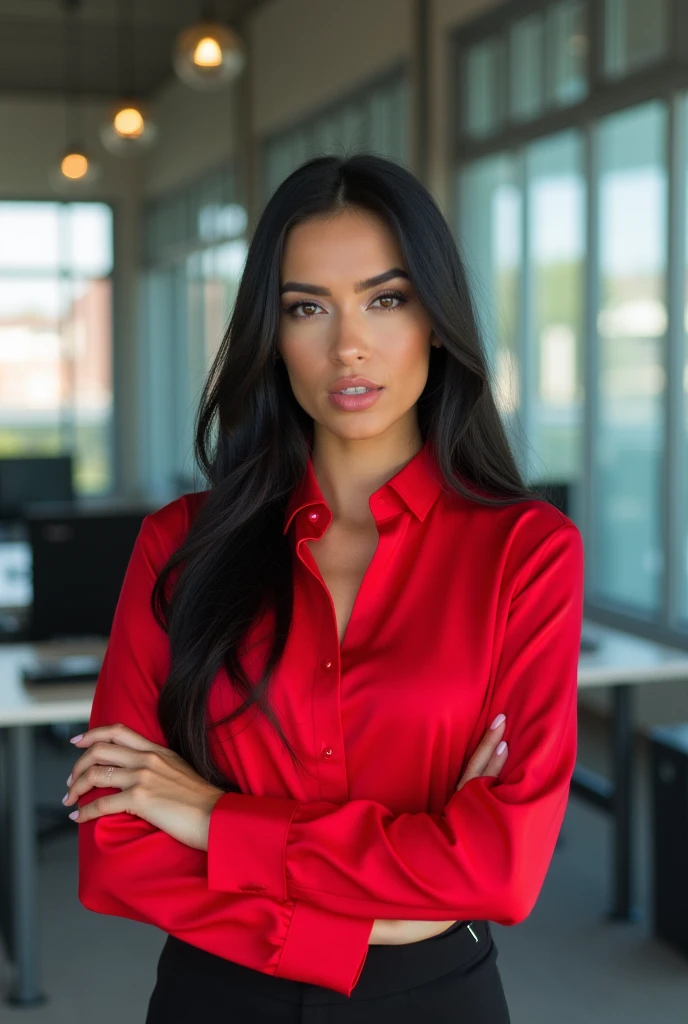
360,286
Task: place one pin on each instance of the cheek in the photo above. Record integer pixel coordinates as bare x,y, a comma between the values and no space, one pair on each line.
302,362
409,359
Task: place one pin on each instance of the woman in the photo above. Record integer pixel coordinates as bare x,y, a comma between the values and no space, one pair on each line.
368,548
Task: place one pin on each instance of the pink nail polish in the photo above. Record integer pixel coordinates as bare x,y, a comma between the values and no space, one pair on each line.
501,748
498,721
74,814
75,739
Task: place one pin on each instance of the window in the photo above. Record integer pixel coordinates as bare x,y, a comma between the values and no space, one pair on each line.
592,144
567,45
196,247
372,121
631,327
536,63
682,560
636,34
56,335
526,86
489,233
556,258
482,88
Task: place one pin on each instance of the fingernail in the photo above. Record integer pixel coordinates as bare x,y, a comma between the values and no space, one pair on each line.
498,721
65,798
69,780
75,739
501,748
74,814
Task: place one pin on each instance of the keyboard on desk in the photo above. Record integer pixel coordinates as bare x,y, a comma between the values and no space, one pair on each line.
73,668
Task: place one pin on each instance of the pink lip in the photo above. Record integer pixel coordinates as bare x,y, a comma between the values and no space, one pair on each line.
351,403
352,382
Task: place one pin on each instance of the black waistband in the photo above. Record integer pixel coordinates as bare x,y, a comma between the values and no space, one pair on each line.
452,928
387,969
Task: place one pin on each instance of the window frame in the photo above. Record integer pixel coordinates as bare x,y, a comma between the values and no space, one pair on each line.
397,74
113,278
665,81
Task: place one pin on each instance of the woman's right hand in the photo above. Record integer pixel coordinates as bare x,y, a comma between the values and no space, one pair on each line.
485,761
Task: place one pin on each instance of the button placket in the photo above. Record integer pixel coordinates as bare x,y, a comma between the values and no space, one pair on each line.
325,750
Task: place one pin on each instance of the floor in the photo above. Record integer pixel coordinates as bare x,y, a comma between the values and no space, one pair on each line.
566,962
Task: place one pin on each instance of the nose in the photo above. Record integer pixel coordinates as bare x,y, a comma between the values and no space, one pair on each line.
349,344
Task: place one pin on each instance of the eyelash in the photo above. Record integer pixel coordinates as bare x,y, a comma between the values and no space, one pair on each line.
385,309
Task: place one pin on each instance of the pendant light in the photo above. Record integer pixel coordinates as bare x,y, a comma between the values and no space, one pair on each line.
128,128
208,55
75,170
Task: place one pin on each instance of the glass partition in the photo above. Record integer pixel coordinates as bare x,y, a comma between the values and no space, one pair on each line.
56,335
631,330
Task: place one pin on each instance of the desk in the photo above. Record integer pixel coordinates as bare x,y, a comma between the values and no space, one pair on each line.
20,711
621,661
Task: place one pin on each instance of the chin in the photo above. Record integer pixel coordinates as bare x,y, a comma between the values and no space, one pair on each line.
355,426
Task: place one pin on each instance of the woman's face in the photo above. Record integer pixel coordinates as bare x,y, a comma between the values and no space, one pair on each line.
336,324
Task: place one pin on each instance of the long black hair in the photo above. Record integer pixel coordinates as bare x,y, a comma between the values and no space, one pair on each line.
252,441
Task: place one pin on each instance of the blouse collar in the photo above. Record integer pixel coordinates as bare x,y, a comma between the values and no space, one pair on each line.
414,487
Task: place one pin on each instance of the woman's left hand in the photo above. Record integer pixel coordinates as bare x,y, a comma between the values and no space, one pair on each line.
156,784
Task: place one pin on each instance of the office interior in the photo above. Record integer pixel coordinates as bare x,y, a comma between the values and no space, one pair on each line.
554,136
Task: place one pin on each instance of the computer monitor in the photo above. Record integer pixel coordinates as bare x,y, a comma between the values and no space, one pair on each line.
79,558
33,479
557,493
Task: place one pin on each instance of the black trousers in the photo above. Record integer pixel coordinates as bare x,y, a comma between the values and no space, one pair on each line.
450,977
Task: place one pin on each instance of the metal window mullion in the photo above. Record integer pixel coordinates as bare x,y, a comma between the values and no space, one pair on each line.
678,14
674,474
591,358
547,61
672,44
596,26
421,92
504,78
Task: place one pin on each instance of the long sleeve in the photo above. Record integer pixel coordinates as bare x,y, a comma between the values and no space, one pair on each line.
131,869
487,854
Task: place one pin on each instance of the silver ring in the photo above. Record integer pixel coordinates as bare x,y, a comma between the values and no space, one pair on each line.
110,771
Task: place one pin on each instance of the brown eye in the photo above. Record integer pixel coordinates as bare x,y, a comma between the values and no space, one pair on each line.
291,310
398,297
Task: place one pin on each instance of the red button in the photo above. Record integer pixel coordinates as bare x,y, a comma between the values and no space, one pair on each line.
327,663
314,516
327,752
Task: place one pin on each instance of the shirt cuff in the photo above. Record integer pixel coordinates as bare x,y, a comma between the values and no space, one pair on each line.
247,839
324,948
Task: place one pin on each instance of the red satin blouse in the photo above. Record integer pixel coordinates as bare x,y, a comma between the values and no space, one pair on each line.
464,612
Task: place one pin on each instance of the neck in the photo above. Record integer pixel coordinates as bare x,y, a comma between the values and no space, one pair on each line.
349,471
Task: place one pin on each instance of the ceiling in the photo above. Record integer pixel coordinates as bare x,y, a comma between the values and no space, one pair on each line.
33,50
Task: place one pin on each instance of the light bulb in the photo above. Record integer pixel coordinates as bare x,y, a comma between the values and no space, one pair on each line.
74,172
128,128
208,53
128,122
74,166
